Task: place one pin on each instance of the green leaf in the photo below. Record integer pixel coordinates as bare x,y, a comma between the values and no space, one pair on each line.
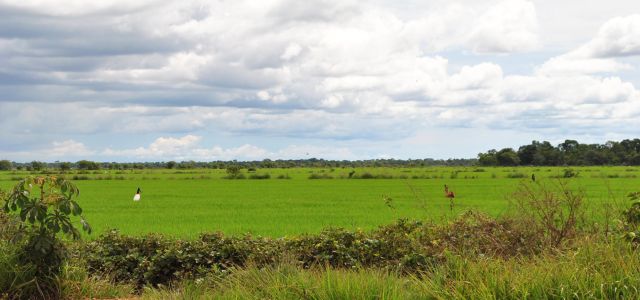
85,225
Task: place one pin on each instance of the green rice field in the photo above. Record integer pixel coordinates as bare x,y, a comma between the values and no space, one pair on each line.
184,203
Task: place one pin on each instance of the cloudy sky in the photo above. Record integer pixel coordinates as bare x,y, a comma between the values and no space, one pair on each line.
152,80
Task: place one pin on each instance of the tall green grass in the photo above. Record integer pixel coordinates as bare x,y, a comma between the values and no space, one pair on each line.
16,279
602,269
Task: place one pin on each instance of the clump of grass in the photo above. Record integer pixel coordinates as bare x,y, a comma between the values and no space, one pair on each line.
260,176
283,176
320,176
516,175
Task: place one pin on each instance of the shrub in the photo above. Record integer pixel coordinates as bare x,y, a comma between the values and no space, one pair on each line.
570,173
632,218
260,176
45,206
516,175
404,246
552,210
234,172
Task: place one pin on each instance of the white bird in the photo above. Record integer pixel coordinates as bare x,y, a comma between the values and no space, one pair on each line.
136,197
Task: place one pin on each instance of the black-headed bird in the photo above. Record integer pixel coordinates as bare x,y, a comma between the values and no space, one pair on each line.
136,197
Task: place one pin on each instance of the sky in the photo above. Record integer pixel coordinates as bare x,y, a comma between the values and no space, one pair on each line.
149,80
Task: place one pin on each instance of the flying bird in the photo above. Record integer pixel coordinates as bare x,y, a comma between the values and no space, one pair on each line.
136,197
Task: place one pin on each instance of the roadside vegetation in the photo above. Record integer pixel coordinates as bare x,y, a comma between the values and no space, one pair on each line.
544,246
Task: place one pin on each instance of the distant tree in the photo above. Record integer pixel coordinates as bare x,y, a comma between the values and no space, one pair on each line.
172,164
593,157
65,166
87,165
488,159
37,165
187,165
233,171
507,157
5,165
527,153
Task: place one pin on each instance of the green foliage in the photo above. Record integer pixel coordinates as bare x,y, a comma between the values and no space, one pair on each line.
408,247
260,176
65,166
87,165
570,152
16,276
234,172
632,218
553,209
320,176
569,173
5,165
44,205
507,157
38,165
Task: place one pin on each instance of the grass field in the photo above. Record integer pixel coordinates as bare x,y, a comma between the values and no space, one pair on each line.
186,202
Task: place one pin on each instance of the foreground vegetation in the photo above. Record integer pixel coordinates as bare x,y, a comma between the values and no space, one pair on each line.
545,246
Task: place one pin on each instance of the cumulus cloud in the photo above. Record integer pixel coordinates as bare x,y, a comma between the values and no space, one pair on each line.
56,150
189,147
327,70
616,38
510,26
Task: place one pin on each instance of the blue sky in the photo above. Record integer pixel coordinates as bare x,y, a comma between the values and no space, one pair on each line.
156,80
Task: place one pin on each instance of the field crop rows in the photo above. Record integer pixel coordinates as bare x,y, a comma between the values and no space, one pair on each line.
184,203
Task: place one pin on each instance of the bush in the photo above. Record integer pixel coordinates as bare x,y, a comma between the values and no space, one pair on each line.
45,206
552,210
405,246
570,173
260,176
234,172
516,175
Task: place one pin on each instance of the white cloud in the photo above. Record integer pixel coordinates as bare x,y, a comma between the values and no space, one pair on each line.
68,148
56,150
188,148
510,26
616,38
329,71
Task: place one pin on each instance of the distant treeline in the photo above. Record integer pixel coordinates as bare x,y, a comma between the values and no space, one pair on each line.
266,163
570,152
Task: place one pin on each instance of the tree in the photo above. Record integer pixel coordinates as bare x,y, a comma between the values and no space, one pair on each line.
527,153
87,165
172,164
37,165
65,166
233,171
507,157
5,165
488,159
